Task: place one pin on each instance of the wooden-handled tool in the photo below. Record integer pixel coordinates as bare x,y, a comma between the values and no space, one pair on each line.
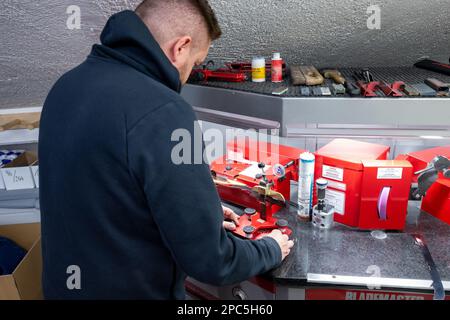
306,75
335,75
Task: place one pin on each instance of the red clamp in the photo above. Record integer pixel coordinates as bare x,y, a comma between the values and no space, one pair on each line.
394,90
368,89
224,75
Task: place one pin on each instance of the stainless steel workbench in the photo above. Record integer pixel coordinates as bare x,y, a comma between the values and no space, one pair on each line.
300,116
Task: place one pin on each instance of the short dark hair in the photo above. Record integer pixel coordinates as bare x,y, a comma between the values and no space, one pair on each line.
204,9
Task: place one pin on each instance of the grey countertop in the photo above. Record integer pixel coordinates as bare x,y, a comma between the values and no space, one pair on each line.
344,252
345,256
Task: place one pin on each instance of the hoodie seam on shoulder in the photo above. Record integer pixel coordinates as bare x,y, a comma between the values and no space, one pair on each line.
146,115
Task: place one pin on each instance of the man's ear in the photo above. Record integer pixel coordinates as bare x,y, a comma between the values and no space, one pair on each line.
181,50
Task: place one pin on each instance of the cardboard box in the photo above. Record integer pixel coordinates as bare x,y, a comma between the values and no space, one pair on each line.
19,175
341,163
25,282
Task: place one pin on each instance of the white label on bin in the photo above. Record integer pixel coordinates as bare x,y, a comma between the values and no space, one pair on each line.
337,200
333,173
390,173
17,178
35,172
337,185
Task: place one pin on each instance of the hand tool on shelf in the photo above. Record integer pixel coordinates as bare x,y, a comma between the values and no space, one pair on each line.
389,91
424,90
321,91
341,85
365,81
405,88
280,91
352,89
335,75
338,89
440,87
435,66
306,75
305,91
221,74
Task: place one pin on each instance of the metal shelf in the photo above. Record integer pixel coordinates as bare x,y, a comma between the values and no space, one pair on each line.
402,116
9,217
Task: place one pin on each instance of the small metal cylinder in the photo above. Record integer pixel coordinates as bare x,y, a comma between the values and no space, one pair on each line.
249,230
249,212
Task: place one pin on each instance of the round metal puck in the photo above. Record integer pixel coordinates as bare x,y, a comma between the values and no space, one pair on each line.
250,211
282,223
249,230
380,235
229,168
259,176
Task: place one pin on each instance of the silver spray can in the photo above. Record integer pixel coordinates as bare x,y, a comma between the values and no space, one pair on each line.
305,185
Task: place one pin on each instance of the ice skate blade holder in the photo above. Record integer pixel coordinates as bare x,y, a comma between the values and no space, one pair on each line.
253,225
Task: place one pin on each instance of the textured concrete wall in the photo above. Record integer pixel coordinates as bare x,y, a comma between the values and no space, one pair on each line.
36,46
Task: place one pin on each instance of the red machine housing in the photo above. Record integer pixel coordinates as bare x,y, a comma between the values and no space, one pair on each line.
242,154
353,181
421,159
240,164
385,190
437,200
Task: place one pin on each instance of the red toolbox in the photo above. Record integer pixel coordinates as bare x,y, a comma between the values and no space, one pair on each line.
385,193
340,162
358,185
437,200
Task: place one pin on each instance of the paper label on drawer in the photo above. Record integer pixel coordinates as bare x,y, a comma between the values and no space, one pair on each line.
333,173
390,173
17,178
337,200
337,185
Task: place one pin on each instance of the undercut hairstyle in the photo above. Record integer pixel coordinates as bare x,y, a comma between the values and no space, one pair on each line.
170,18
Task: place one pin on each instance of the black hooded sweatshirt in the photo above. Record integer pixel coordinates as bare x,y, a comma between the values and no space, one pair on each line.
119,219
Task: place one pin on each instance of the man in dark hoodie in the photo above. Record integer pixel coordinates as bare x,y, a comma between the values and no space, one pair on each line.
119,219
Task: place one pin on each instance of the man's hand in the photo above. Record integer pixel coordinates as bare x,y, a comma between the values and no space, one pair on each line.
229,214
283,241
